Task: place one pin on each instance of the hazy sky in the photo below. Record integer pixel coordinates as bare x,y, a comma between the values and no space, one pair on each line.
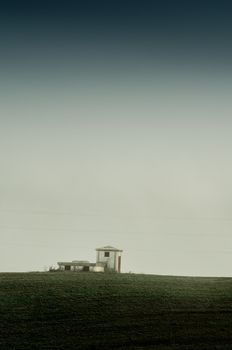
115,129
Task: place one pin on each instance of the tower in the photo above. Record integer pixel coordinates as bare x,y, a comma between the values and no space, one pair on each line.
111,257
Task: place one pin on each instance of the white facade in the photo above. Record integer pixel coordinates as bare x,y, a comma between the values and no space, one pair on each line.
111,257
108,259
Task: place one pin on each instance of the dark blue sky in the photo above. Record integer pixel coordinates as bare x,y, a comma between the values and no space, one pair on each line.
114,37
188,25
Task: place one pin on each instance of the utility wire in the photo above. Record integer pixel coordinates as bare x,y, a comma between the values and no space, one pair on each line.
78,230
153,217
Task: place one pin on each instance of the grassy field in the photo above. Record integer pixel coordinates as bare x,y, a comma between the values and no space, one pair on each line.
114,311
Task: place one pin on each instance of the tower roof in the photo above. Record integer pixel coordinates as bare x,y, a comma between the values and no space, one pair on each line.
109,248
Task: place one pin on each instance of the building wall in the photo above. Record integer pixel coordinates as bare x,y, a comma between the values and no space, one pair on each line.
112,260
81,268
76,268
98,269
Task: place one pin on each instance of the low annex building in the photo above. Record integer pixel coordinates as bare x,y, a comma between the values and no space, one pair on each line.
108,259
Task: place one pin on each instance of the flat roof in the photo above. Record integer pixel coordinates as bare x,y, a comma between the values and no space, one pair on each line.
109,248
73,263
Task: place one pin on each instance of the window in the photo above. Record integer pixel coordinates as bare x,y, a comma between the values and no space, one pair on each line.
107,254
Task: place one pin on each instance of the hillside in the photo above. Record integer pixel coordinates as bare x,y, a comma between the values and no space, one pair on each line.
112,311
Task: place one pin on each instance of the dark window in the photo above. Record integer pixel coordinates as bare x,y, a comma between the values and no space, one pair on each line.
85,268
107,254
67,268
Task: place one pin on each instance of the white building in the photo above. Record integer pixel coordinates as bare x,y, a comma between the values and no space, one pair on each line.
108,260
111,257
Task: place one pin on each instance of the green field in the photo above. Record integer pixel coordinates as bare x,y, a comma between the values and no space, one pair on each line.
114,311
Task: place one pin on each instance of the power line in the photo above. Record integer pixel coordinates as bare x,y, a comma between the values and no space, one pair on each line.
78,230
153,217
141,250
38,244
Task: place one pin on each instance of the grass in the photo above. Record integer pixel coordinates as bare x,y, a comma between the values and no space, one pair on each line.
114,311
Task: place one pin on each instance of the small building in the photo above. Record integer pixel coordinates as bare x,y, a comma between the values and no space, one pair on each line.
109,256
108,259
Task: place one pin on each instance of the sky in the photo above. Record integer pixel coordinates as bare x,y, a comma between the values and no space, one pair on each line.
115,129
